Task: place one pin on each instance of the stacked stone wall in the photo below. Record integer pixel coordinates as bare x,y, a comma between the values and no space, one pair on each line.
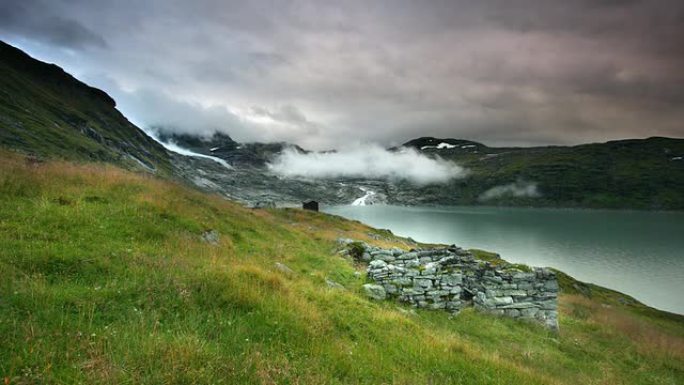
451,278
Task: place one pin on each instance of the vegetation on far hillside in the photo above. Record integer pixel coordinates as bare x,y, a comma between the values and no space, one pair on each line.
106,279
634,173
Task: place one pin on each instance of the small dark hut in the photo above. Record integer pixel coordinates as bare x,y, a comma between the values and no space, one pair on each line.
310,205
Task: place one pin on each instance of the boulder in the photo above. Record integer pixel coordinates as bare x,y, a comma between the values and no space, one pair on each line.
283,268
503,301
211,237
264,205
551,285
344,241
365,257
333,285
375,292
529,312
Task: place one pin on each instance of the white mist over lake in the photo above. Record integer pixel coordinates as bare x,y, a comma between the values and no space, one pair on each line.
635,252
367,161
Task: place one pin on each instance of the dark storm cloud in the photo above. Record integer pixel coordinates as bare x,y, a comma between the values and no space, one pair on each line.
27,18
326,73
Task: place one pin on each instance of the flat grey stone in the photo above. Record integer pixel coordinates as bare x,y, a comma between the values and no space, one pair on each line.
283,268
211,237
551,285
334,285
375,292
521,305
377,264
502,301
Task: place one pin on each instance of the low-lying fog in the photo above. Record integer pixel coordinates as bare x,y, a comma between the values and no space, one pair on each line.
367,161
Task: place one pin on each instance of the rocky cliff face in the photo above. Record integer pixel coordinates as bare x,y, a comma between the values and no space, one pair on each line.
452,278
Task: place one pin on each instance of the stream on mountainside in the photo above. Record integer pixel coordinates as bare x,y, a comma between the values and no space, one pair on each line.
639,253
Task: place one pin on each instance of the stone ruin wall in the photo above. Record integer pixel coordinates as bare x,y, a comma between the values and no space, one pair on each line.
451,279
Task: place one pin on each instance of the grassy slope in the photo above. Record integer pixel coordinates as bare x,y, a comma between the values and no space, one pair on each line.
105,280
47,112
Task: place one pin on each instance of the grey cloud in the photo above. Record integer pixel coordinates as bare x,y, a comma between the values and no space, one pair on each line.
157,109
68,33
326,73
288,114
27,18
153,109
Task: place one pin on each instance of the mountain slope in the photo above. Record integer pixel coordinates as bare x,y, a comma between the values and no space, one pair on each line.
220,145
107,279
47,112
636,173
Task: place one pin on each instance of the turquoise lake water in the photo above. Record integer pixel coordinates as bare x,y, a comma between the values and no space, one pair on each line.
636,252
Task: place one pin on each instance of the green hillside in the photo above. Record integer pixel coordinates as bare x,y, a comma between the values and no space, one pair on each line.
46,112
106,279
635,173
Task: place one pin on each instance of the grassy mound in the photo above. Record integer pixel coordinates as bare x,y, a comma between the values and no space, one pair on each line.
106,279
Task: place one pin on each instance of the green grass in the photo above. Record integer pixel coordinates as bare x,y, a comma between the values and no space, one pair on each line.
495,260
105,279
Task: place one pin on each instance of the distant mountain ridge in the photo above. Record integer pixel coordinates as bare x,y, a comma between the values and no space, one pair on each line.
47,112
428,142
632,173
223,146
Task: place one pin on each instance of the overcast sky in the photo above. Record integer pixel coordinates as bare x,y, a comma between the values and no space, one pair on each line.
504,72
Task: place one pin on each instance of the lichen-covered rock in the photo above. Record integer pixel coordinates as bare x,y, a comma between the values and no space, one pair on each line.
344,241
366,257
375,292
211,237
283,268
333,285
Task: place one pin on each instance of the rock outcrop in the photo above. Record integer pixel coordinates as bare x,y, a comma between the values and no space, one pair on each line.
451,278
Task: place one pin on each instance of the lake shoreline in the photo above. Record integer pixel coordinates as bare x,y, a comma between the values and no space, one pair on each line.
632,251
